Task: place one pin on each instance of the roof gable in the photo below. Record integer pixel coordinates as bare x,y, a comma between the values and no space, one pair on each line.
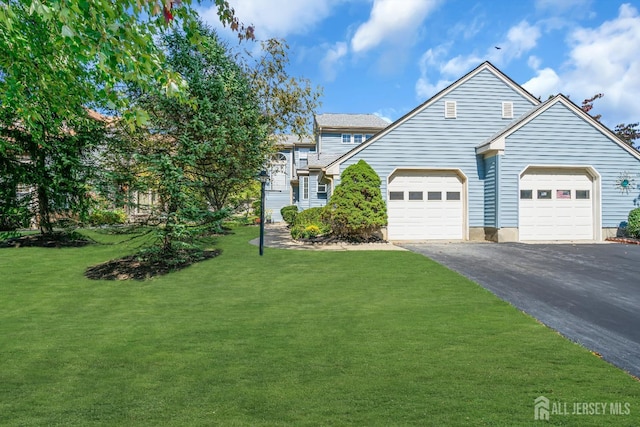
497,142
485,66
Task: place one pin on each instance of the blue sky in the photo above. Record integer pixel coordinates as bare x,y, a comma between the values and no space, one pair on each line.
388,56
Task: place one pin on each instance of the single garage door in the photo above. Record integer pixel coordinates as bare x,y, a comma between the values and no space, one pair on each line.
425,205
556,205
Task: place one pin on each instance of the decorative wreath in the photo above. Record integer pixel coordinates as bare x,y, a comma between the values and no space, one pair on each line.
625,182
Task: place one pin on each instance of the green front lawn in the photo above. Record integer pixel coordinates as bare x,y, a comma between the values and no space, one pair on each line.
290,338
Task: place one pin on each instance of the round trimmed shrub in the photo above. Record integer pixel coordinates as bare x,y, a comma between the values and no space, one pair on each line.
633,223
289,214
356,210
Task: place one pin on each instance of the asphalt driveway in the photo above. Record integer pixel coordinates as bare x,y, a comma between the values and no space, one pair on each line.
590,293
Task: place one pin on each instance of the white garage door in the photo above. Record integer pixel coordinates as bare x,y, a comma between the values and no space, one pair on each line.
425,205
556,205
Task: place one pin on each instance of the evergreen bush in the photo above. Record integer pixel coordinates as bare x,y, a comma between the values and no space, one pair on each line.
356,210
289,214
633,223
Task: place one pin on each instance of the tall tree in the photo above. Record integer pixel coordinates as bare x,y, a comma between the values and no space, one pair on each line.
288,103
59,57
198,153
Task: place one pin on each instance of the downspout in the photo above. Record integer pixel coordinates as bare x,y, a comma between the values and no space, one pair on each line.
292,172
498,177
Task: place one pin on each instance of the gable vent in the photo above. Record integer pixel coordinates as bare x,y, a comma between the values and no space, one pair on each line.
507,110
450,110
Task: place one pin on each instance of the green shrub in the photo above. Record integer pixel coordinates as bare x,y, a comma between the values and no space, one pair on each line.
633,223
107,217
289,214
310,223
356,210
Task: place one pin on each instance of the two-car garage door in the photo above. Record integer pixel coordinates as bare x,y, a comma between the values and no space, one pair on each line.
556,205
424,205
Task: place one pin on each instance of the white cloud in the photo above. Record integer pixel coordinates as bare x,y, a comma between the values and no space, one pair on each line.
430,60
391,20
520,39
545,83
467,30
534,62
332,59
386,114
276,18
605,60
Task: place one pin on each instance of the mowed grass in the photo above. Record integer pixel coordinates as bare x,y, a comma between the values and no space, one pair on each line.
291,338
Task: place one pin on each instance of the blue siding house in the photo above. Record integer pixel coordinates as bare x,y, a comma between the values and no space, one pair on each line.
484,159
297,175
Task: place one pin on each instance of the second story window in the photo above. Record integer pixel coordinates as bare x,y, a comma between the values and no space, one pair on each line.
355,138
303,160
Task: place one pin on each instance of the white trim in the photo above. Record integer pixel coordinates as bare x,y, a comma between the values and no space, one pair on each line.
494,147
596,193
465,190
304,182
544,107
482,67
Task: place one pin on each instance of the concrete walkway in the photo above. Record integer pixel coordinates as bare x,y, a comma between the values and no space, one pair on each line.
278,236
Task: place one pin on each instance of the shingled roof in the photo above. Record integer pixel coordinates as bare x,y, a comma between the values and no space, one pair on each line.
355,121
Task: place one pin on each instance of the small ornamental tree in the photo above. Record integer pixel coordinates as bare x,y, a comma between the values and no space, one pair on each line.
356,210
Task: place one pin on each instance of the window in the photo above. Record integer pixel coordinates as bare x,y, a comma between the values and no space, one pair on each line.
544,194
346,138
357,138
526,194
278,172
453,195
507,110
322,187
434,195
582,194
396,195
450,110
367,136
563,194
303,159
415,195
304,181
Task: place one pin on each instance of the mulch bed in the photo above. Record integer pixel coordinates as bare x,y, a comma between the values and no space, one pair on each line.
55,240
626,240
137,268
330,240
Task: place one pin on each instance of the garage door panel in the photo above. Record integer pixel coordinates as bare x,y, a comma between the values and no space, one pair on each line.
561,216
425,219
